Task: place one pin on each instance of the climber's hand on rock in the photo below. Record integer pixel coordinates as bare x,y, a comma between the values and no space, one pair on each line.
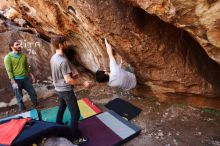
108,47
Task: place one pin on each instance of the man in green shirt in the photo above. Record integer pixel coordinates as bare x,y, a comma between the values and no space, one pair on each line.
18,69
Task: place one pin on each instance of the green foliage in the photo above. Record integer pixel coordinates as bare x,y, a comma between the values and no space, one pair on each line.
212,111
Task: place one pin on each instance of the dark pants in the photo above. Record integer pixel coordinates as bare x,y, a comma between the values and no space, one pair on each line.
68,99
26,85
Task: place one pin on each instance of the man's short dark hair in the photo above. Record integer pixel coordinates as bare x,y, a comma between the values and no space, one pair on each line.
101,76
11,43
56,40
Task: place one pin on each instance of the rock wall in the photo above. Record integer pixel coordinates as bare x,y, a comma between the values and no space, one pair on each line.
201,18
171,44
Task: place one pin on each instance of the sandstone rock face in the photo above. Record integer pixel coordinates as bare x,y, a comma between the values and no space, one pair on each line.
8,11
4,5
169,60
201,18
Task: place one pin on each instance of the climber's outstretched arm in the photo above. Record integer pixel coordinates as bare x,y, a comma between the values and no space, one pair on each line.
109,50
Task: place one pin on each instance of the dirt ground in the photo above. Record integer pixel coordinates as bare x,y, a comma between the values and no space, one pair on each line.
162,124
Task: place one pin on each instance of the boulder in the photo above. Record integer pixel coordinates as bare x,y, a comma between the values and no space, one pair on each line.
173,45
